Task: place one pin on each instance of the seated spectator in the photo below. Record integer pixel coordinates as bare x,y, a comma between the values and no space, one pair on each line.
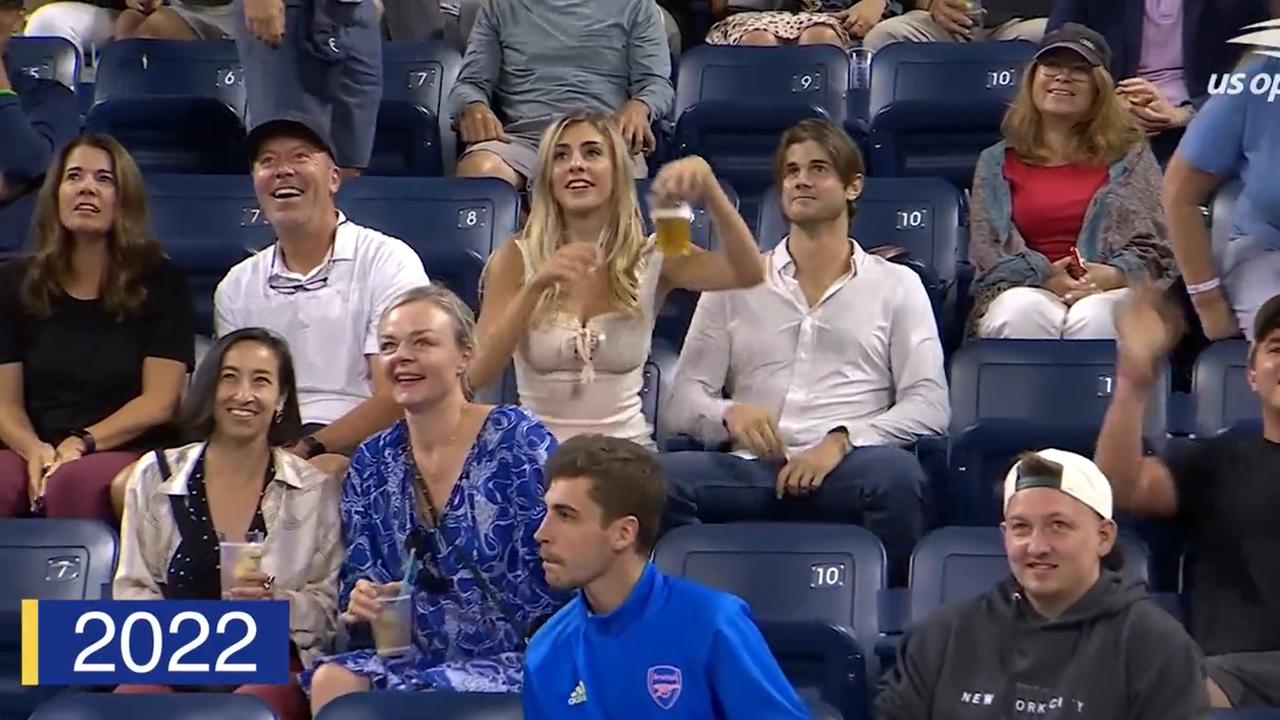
1165,56
633,636
574,295
963,21
37,117
803,22
88,25
528,62
1234,135
178,20
233,481
1064,211
1220,490
818,377
455,489
1065,636
322,286
96,338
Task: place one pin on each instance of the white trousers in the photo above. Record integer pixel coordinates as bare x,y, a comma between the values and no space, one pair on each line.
1032,313
88,27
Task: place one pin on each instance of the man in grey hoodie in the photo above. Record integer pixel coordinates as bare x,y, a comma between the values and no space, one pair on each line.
1063,637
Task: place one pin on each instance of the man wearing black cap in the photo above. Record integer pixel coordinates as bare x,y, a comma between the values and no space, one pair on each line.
321,58
963,21
322,286
1065,636
1222,490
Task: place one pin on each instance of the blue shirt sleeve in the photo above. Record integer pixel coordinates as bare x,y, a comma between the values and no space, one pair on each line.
33,125
745,677
1214,141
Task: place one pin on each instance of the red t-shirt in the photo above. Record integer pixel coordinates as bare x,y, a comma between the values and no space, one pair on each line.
1049,202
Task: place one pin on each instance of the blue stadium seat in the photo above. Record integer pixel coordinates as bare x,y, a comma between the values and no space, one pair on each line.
674,314
1008,396
178,706
414,134
206,224
46,560
15,226
733,102
45,58
1220,385
394,705
813,589
177,106
453,223
954,564
935,106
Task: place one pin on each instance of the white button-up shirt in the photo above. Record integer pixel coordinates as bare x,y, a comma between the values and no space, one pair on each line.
329,316
866,357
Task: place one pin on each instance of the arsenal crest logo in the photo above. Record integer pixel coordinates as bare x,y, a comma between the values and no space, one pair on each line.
665,683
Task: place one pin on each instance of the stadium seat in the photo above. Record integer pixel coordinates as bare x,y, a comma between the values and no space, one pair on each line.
454,224
733,102
45,58
177,106
935,106
813,589
395,705
954,564
15,226
46,560
1220,385
414,134
177,706
206,224
674,315
1008,396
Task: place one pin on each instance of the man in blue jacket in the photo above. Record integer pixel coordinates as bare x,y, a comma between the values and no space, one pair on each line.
635,643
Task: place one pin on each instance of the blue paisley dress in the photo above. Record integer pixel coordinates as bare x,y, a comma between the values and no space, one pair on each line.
469,634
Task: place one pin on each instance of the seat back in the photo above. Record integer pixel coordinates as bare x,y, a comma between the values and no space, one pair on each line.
732,102
15,225
206,224
1008,396
454,224
56,560
397,705
177,106
935,106
177,706
954,564
414,134
1220,385
45,58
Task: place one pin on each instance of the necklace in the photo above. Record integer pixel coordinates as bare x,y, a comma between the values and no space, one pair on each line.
426,473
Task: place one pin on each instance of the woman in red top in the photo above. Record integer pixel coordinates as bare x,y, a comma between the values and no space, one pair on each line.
1066,209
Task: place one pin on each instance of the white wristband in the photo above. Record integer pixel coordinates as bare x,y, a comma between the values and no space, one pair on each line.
1204,287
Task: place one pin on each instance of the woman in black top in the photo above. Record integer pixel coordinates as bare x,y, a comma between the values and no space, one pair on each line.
96,338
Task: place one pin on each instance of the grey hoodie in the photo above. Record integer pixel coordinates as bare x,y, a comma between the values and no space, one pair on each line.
1113,655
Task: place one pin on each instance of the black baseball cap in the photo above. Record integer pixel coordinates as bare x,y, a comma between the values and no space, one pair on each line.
293,125
1084,41
1267,320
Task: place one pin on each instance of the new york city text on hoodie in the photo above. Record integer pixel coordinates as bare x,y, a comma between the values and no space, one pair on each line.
1113,655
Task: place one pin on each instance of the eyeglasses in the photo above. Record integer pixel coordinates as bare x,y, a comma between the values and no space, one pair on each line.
1068,72
292,286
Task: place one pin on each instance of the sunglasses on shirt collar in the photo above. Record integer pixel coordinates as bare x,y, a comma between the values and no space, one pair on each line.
430,579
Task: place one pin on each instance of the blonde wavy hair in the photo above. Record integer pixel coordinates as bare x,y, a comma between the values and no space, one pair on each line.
1106,133
624,242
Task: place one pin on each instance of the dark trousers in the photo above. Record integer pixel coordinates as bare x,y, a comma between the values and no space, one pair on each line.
880,488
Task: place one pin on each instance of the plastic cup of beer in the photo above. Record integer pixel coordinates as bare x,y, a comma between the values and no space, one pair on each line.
975,11
393,628
238,559
674,226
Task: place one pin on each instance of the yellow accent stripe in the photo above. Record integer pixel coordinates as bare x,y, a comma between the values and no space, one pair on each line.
30,642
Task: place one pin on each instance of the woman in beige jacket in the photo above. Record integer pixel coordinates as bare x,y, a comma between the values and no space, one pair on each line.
235,484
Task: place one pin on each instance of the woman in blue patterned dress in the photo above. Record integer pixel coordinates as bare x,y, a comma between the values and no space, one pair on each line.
457,487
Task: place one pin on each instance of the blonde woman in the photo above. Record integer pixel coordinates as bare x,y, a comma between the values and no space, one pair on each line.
573,296
1066,209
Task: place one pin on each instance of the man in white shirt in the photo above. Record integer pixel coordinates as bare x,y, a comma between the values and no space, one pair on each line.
818,377
321,286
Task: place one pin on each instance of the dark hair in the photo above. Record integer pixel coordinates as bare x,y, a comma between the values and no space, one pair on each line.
840,148
131,252
626,480
196,416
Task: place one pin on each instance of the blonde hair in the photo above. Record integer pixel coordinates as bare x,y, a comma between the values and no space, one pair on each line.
458,312
623,242
1106,134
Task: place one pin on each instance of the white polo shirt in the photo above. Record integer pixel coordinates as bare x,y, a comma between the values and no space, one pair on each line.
329,316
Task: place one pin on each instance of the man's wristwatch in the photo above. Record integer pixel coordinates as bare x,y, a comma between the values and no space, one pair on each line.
312,447
86,438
